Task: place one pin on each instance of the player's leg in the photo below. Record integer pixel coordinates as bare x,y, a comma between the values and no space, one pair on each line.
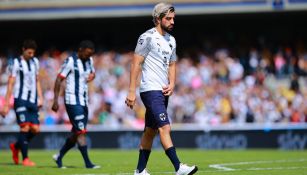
167,143
34,130
82,146
21,144
80,122
148,135
145,148
69,143
170,151
24,120
34,124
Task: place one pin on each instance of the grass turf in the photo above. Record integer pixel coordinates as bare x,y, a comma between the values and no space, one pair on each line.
238,162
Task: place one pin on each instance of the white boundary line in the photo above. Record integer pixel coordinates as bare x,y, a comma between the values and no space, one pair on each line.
222,167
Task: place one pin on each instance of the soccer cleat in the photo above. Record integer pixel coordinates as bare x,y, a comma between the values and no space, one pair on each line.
186,170
93,166
14,153
55,157
144,172
27,162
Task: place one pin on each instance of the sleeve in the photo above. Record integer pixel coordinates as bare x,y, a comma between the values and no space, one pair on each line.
92,65
143,46
174,55
13,67
66,67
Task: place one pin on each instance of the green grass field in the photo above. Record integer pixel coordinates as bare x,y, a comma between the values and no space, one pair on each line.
225,162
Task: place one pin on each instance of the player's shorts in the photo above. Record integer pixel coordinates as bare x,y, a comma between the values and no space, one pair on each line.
26,112
78,116
156,109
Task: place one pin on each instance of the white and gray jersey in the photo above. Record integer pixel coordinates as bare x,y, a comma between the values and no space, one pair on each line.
158,51
76,73
25,72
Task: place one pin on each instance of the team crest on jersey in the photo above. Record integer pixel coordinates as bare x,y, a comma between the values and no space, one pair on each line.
81,125
22,118
141,41
162,116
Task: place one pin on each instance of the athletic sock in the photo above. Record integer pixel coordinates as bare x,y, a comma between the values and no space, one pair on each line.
83,150
30,136
171,153
143,159
66,147
22,144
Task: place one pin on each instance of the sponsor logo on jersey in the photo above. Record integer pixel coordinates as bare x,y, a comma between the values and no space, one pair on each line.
79,117
21,109
165,52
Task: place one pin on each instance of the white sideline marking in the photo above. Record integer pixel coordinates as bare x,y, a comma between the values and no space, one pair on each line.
224,168
221,167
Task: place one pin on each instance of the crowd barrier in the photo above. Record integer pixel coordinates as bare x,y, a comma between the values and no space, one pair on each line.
231,136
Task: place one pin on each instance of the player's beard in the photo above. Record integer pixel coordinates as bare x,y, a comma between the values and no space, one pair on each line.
167,28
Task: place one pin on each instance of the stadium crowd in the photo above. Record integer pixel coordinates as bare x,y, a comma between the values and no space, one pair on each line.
265,87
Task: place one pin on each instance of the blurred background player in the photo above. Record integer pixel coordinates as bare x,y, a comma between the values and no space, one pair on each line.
24,83
155,55
78,70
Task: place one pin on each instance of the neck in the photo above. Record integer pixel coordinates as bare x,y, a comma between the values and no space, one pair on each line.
160,30
25,58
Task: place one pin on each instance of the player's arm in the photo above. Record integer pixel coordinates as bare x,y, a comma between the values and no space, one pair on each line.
168,90
57,87
8,95
92,75
135,70
39,92
65,70
40,99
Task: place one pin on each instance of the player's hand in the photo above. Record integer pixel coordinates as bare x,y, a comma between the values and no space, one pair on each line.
39,103
130,100
168,90
91,77
55,106
5,110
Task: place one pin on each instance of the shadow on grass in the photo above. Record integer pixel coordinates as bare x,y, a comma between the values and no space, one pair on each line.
8,164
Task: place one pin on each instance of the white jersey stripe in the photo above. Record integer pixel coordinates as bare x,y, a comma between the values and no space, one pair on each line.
76,80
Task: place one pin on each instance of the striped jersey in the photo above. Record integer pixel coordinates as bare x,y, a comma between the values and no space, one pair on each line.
25,72
76,73
158,51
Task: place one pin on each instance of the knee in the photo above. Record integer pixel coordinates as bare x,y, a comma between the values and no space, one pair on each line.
150,133
166,129
81,138
25,128
35,129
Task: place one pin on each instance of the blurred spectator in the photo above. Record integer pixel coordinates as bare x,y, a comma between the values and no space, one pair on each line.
211,89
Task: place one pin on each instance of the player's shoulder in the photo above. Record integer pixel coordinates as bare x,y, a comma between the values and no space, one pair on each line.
70,58
13,61
171,39
148,33
35,59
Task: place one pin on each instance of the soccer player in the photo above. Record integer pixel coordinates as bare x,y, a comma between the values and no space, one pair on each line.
24,84
78,70
155,55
